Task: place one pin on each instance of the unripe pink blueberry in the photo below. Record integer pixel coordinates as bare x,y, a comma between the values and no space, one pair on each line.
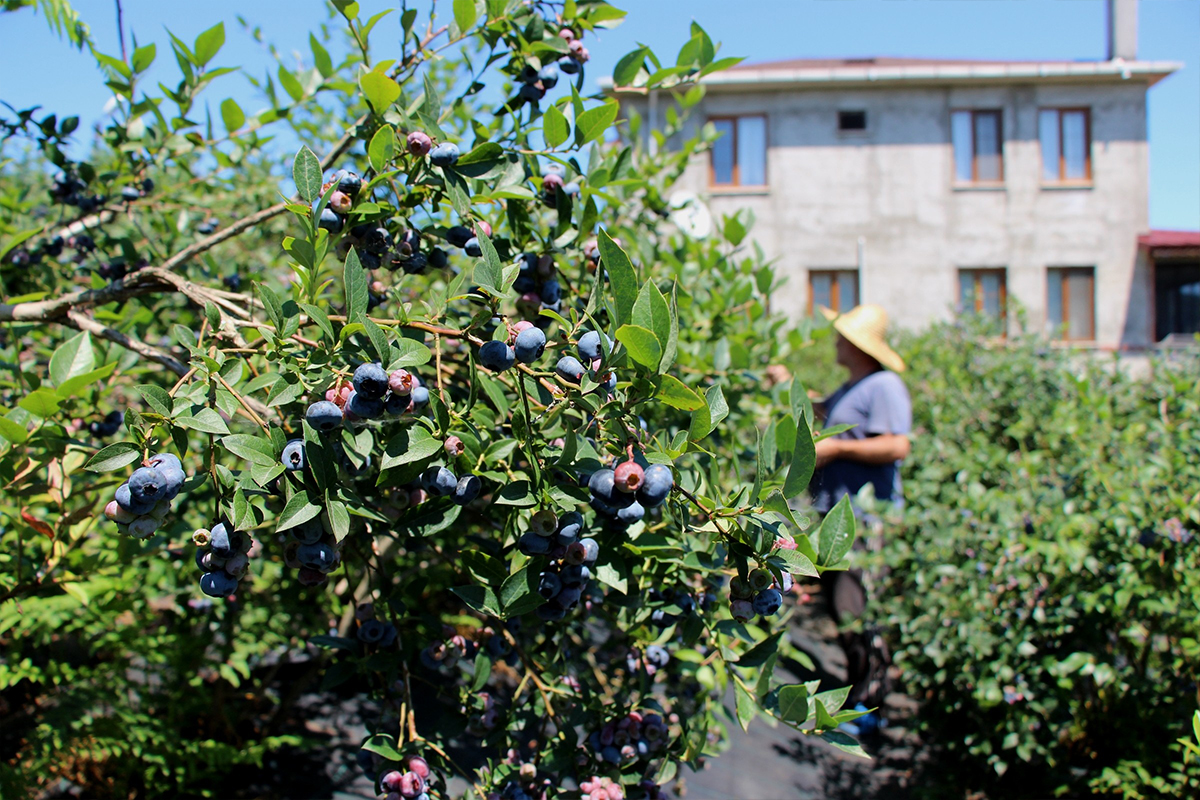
391,781
419,143
552,181
484,227
567,34
401,382
628,476
576,47
418,765
742,610
117,514
454,446
416,497
340,202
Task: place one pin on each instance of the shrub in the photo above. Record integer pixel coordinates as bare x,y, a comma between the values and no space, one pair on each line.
1043,578
376,491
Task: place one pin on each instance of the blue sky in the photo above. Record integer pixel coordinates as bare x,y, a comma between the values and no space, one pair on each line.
36,68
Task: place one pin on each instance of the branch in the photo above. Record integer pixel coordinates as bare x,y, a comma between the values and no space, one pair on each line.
82,322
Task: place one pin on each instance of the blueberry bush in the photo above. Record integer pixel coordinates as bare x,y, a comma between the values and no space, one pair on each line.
439,409
1043,585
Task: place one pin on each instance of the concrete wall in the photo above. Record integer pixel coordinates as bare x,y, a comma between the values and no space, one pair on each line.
892,187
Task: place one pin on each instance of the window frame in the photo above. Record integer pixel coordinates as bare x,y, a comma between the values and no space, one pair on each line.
1063,329
975,180
834,289
866,120
1062,180
977,274
733,138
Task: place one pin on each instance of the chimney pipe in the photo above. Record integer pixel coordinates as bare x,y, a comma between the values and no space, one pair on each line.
1122,29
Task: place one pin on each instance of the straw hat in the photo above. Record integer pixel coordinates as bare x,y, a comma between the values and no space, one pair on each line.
864,327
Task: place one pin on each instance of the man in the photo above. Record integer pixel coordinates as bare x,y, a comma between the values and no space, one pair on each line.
876,403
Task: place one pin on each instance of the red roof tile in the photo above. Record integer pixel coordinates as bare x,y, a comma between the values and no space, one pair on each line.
1160,238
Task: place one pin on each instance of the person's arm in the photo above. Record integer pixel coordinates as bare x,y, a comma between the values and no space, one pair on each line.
882,449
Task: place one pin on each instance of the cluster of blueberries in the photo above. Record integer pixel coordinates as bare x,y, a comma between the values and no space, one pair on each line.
108,426
636,736
208,226
346,187
661,618
411,784
223,556
625,492
143,502
441,482
565,580
552,184
372,631
601,788
314,551
535,82
466,239
446,652
537,288
758,593
649,661
526,786
371,393
118,268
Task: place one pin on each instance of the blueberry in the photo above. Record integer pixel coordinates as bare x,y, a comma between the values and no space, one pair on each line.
414,264
222,541
207,561
467,489
569,369
54,247
767,602
376,240
364,407
657,655
143,527
127,502
438,258
397,404
472,248
419,143
657,481
589,345
568,598
218,584
661,619
603,487
309,532
293,455
371,631
575,574
530,345
549,585
531,92
318,556
550,292
439,481
324,416
631,513
548,75
329,219
571,188
524,284
628,476
591,550
147,186
551,612
348,182
419,396
533,545
130,193
458,235
159,460
371,381
497,356
570,525
147,485
444,155
568,65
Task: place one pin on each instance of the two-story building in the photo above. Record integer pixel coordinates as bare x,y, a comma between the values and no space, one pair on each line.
935,186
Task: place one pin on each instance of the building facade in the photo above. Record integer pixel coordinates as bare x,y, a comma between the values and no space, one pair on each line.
937,187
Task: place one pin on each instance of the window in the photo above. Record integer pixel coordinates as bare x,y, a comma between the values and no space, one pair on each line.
983,292
832,288
1071,302
1176,299
1066,137
739,157
977,146
850,121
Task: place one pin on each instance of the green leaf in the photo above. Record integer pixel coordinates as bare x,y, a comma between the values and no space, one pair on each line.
409,353
555,128
409,445
464,14
290,84
358,291
208,43
519,593
843,741
73,357
746,705
628,67
379,341
157,398
836,534
642,345
677,394
42,403
651,311
384,745
318,315
232,115
793,703
255,449
205,420
778,503
306,172
480,598
594,122
825,720
615,574
428,518
801,403
339,519
143,57
622,278
796,562
517,493
490,274
484,567
14,432
804,461
761,653
72,385
483,669
380,90
382,148
113,457
299,509
321,59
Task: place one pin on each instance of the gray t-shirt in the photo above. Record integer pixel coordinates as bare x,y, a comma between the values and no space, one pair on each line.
876,404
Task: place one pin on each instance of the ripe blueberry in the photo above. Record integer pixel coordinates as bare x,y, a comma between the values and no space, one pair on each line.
767,602
218,584
497,356
458,235
657,481
530,345
472,247
569,369
589,345
444,155
324,416
370,381
365,407
348,182
147,485
439,481
293,455
467,489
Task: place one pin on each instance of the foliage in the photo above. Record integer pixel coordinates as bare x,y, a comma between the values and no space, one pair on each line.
166,281
1044,584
